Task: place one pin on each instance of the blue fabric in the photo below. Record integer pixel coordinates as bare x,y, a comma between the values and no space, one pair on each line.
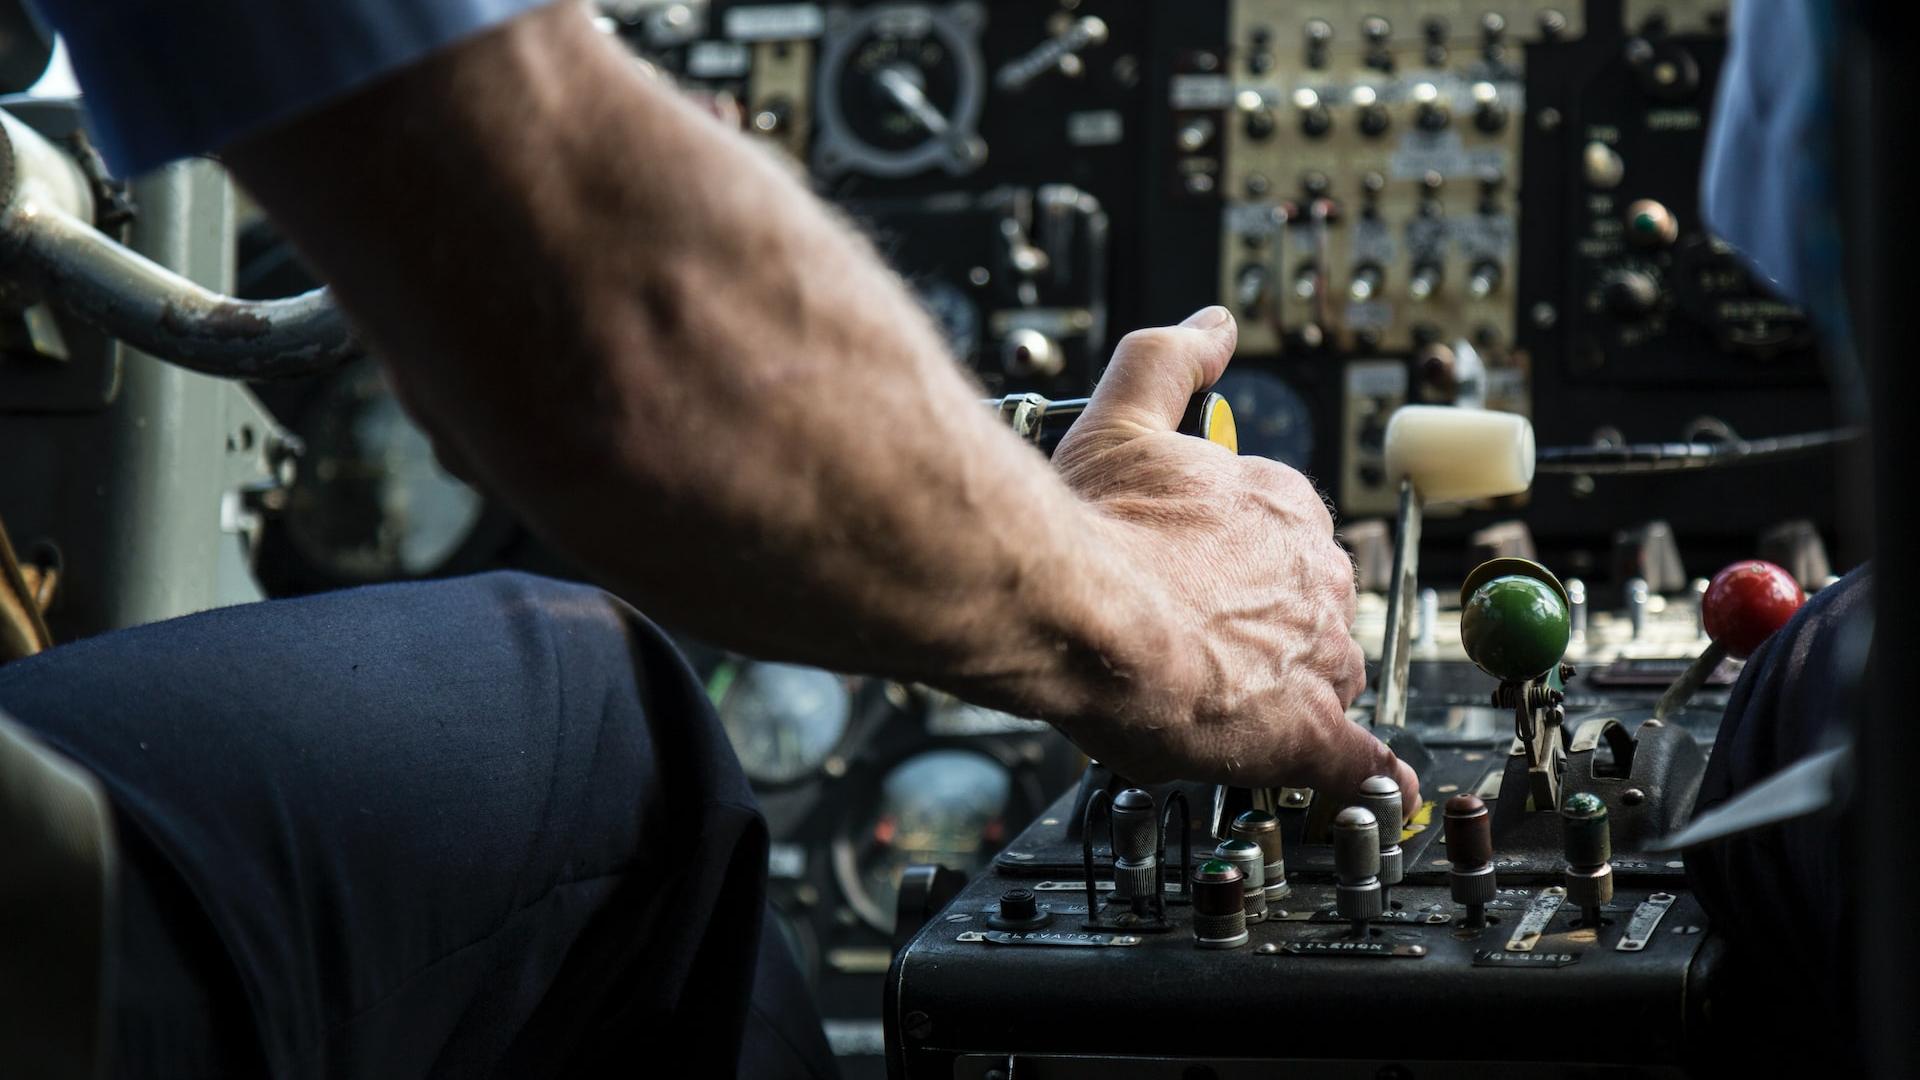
480,827
1770,168
166,79
1781,892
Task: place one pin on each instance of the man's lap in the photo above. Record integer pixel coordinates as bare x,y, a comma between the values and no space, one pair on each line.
438,829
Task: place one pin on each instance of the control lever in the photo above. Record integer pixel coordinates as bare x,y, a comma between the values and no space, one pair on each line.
1515,626
1059,52
49,246
1438,454
1743,606
1044,421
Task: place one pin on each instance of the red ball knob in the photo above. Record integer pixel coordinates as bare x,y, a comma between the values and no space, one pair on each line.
1746,603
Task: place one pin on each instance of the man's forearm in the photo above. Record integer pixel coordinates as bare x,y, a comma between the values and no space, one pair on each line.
640,331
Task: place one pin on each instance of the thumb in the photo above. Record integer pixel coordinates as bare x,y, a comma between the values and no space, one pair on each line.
1152,376
1353,754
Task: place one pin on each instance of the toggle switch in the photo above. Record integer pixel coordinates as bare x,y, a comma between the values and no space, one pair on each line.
1577,608
1589,851
1424,282
1470,856
1432,113
1374,118
1315,119
1219,906
1356,862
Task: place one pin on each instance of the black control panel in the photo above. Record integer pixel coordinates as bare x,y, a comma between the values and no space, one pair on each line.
1403,202
1566,946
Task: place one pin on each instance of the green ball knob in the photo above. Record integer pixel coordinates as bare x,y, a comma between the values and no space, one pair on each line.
1515,628
1584,804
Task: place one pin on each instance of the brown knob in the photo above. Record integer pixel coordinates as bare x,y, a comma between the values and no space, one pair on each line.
1469,832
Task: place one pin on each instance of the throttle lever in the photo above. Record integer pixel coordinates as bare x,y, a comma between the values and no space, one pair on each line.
1044,421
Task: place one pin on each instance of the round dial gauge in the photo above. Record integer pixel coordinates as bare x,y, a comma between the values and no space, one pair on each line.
1272,419
942,806
900,91
784,720
371,502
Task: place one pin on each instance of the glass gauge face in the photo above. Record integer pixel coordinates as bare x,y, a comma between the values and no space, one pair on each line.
1272,419
900,60
942,806
783,720
371,502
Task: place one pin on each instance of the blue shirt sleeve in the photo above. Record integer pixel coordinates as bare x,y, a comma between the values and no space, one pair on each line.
165,79
1769,160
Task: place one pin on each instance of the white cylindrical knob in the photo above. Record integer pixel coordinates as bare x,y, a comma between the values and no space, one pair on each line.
1454,455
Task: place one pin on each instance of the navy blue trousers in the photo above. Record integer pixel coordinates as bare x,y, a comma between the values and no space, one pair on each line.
485,827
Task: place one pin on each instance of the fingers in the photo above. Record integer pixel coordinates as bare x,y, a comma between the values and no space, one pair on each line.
1154,373
1350,754
1352,678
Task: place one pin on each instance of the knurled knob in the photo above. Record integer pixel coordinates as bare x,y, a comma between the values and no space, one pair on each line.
1381,796
1219,906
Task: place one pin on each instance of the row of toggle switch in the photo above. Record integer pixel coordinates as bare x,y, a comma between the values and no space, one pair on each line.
1313,111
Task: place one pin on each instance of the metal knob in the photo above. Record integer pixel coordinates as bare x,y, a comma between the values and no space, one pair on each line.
1219,906
1589,849
1381,796
1263,829
1136,844
1027,353
1356,862
1246,856
1470,856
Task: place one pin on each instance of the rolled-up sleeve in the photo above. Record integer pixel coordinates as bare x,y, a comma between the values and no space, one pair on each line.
165,79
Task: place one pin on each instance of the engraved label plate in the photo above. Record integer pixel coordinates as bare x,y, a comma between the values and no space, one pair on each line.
1056,938
1534,923
1646,918
1501,958
1377,949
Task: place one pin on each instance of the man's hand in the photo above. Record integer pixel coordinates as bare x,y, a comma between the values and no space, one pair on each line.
1241,550
641,333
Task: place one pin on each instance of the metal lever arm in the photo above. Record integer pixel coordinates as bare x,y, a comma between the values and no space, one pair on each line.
49,248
